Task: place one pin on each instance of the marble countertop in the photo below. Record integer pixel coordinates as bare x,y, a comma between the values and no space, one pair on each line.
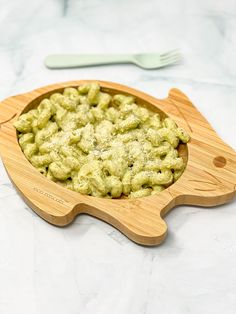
89,267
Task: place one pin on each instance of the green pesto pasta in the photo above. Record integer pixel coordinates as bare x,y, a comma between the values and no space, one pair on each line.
101,145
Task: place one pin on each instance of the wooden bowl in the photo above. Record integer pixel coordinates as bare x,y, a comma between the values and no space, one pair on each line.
208,180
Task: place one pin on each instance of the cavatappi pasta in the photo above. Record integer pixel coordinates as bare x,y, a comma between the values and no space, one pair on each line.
101,145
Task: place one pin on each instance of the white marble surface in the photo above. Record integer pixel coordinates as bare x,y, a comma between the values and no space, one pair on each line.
89,267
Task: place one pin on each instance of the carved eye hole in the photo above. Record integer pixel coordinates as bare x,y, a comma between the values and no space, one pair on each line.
219,161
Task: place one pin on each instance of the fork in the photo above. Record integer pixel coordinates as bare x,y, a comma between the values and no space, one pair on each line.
144,60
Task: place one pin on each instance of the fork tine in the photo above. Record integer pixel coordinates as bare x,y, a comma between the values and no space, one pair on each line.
169,53
170,61
170,56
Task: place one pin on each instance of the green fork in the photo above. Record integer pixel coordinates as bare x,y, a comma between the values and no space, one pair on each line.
144,60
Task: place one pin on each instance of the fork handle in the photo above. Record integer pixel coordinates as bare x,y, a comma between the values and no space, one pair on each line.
60,61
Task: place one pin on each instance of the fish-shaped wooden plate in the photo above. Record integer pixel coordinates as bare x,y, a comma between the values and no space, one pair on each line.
208,180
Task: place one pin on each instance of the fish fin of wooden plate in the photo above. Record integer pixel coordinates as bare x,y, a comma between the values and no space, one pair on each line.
139,219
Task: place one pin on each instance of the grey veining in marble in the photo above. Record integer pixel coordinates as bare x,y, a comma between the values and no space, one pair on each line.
89,267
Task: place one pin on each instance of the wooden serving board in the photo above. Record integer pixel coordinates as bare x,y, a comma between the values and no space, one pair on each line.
208,180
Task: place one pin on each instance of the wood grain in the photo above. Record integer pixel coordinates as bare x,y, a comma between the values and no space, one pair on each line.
209,178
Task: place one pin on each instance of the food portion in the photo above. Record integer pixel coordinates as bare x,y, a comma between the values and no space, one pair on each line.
101,145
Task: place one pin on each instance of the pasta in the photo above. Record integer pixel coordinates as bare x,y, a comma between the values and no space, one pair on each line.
101,145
